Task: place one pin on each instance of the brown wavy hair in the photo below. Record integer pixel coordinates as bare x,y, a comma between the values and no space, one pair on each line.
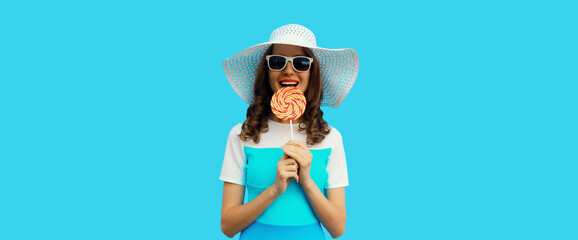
259,111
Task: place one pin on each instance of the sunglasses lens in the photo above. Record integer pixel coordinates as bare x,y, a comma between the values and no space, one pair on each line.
301,64
276,62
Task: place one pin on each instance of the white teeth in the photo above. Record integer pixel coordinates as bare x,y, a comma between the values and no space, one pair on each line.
289,84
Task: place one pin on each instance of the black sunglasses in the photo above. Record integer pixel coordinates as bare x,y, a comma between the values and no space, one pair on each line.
278,62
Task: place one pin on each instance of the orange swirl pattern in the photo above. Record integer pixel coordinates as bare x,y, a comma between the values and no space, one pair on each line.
288,103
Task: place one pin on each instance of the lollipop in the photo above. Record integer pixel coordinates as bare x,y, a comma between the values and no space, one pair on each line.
288,103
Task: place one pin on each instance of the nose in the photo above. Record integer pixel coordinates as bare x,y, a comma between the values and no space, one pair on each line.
289,68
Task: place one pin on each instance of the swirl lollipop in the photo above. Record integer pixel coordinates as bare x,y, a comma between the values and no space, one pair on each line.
288,103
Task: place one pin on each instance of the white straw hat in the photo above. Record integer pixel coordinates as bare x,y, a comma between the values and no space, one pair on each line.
338,67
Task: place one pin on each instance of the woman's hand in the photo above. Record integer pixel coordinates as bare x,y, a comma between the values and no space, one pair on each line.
286,169
296,150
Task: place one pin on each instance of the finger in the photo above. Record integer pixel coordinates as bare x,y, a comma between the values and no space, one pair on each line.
291,161
296,149
289,150
292,175
288,164
285,160
293,154
300,150
292,168
286,175
297,144
289,145
299,147
284,168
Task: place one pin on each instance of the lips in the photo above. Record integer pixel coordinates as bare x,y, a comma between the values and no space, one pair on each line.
289,82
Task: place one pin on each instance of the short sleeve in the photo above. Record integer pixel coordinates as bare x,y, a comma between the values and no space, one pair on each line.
337,166
233,169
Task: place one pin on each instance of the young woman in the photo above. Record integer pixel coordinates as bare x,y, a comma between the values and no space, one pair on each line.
292,185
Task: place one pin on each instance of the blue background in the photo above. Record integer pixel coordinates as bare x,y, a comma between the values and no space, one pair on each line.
462,123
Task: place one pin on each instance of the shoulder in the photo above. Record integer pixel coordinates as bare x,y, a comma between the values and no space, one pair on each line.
331,140
334,135
236,130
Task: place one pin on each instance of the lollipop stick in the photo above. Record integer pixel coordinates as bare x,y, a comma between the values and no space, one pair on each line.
291,124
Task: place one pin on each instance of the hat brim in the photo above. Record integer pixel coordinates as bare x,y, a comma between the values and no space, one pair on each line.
338,67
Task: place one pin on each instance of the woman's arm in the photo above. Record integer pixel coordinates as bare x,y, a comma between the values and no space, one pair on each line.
236,216
330,210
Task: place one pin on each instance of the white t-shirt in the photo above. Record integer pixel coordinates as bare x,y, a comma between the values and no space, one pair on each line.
234,163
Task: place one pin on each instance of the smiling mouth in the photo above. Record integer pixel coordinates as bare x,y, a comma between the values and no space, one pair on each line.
289,83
